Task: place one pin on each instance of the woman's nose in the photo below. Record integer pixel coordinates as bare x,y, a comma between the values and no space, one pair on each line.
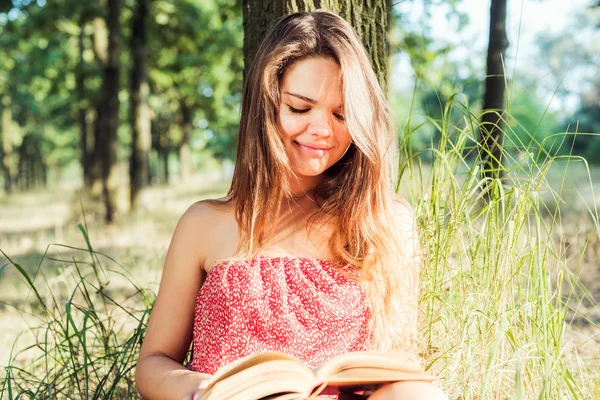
320,126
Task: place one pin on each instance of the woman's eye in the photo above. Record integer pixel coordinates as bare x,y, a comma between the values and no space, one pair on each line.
298,111
340,117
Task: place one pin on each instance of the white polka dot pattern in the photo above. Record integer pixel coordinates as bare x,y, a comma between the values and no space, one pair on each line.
300,306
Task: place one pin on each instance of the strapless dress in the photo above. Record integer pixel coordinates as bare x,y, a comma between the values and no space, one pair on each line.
309,308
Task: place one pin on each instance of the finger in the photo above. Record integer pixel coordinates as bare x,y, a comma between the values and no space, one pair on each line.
198,395
195,395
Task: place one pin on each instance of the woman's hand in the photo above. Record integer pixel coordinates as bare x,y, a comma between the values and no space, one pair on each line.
194,395
197,393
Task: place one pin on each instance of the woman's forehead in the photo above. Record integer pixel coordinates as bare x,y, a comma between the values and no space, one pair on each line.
314,79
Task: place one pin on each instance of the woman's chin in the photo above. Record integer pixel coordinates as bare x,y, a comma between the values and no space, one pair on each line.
309,173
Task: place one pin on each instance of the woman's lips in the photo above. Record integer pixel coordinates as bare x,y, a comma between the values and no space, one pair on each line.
313,151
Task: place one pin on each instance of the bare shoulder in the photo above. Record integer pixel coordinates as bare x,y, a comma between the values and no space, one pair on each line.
204,213
196,226
207,210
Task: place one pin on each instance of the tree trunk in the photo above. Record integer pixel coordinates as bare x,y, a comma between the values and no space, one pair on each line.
139,172
31,160
7,168
100,40
94,181
31,163
110,111
20,181
492,135
163,153
368,17
161,143
80,90
185,159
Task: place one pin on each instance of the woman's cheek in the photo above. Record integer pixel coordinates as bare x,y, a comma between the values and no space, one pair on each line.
291,124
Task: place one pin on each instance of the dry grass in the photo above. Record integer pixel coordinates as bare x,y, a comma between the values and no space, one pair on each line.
36,225
138,243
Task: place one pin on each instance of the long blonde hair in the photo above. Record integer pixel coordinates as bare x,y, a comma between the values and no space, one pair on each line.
358,190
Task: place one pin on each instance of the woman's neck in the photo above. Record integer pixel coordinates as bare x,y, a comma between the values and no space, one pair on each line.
304,187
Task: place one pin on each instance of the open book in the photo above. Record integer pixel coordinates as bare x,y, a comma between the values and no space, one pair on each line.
282,377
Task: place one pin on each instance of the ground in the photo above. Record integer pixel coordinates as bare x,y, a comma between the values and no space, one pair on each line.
33,223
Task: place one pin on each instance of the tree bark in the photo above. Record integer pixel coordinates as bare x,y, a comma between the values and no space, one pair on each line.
7,168
185,159
80,91
100,46
163,154
368,17
492,134
161,143
110,111
139,172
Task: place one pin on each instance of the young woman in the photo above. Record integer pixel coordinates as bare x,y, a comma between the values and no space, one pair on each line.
311,252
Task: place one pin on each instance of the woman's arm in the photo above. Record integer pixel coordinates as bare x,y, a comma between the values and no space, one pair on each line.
160,373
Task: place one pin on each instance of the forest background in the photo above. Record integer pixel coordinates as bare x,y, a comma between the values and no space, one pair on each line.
117,115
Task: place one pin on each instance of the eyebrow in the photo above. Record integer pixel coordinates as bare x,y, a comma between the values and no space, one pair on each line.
307,99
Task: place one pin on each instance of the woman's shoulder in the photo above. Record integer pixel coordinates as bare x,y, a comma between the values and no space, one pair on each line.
203,214
209,210
210,228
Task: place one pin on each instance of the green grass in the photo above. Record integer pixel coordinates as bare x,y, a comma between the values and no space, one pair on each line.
499,283
508,307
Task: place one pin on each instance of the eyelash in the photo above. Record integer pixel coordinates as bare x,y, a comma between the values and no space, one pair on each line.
298,111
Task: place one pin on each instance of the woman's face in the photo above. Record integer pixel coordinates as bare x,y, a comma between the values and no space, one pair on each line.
311,117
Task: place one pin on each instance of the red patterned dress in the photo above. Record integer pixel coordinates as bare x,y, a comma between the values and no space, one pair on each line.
300,306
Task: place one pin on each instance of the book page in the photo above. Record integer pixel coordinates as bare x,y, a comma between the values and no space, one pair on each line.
248,362
371,367
261,380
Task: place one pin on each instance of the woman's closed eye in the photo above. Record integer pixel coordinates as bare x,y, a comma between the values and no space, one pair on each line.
297,110
303,111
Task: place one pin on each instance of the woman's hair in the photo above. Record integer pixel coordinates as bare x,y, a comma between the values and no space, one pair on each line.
358,191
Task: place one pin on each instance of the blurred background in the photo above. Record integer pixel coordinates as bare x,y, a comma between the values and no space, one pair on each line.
177,74
164,78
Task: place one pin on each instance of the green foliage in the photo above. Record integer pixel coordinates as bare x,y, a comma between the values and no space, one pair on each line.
584,126
88,335
198,47
531,127
497,286
42,56
195,50
413,37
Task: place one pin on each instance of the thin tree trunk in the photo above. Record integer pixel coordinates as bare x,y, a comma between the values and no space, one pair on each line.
80,89
100,41
20,181
110,113
7,169
31,160
185,159
161,143
163,152
95,169
139,172
165,165
368,17
492,135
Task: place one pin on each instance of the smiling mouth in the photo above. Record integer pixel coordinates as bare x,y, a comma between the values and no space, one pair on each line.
312,151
